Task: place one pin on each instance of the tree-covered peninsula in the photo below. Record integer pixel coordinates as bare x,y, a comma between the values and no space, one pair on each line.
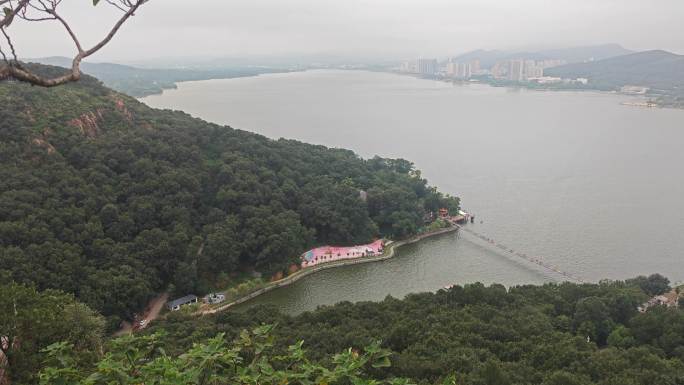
112,201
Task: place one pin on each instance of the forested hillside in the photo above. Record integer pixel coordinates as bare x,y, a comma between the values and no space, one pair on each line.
139,82
555,334
660,70
110,200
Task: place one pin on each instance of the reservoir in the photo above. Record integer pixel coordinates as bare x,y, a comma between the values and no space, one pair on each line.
592,186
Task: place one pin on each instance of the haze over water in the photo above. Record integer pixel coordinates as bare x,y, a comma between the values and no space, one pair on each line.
592,186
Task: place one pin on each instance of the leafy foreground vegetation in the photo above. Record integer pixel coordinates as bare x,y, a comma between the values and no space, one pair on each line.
250,360
552,334
110,200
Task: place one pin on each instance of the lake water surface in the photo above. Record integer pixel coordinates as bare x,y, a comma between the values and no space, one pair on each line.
594,187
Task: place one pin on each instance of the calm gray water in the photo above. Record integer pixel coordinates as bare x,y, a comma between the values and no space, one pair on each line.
593,186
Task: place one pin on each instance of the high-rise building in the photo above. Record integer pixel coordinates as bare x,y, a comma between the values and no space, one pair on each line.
452,68
475,67
427,66
459,70
516,70
533,69
465,71
500,70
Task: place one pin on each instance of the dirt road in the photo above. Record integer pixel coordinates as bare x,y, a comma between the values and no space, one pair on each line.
151,313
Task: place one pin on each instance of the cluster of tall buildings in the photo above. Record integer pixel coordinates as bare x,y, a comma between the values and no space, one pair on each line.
452,68
517,70
425,67
520,70
462,70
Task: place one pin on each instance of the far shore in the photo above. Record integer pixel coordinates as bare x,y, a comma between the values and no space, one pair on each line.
650,102
176,83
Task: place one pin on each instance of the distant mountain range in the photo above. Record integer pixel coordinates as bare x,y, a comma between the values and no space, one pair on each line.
570,55
139,82
660,70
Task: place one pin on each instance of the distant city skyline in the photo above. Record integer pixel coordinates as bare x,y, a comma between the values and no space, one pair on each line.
519,70
390,29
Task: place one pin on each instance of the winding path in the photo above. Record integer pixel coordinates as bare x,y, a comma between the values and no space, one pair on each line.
152,311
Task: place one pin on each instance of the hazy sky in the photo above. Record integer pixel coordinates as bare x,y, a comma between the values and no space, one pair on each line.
214,28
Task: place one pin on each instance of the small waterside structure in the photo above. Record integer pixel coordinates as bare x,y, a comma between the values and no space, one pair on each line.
443,214
183,301
462,217
325,254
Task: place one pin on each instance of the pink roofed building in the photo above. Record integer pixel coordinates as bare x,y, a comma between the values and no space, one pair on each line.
325,254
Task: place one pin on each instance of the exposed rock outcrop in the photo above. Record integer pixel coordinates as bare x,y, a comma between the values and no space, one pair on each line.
121,107
88,123
42,142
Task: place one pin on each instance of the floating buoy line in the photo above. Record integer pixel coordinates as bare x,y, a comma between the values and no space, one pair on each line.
532,259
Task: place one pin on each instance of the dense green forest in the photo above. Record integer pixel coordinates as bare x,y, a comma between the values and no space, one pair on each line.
112,201
554,334
551,334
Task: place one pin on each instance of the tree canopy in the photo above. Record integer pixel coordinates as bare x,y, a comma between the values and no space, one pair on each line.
31,321
476,334
470,335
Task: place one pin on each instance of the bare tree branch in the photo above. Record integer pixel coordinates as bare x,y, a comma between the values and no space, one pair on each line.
131,11
69,30
9,42
4,57
46,10
115,4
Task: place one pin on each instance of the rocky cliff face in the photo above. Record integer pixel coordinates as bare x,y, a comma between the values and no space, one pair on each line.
88,123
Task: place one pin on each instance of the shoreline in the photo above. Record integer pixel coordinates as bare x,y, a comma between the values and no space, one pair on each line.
291,279
176,84
643,104
527,87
